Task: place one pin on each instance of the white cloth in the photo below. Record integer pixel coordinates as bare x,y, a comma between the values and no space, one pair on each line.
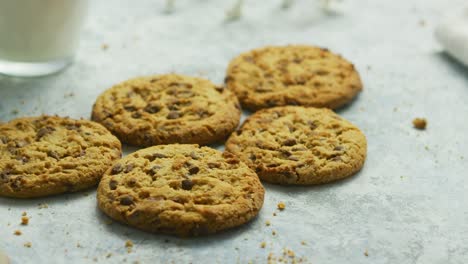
452,34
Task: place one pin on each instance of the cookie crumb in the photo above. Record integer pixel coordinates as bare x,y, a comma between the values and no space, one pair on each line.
366,253
24,214
267,223
281,206
70,94
303,243
422,22
129,245
42,206
17,233
24,220
104,46
274,214
109,255
273,232
27,244
263,244
420,123
78,245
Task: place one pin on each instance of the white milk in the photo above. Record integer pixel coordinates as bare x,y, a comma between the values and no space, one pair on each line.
40,31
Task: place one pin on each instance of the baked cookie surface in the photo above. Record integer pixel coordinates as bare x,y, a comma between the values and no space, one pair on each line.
180,189
292,75
48,155
298,145
166,109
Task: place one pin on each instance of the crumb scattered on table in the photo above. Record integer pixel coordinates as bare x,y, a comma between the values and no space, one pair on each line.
303,243
43,205
17,233
109,255
78,245
24,220
129,245
420,123
422,22
24,214
27,244
273,232
70,94
104,46
274,214
366,253
267,223
263,244
281,206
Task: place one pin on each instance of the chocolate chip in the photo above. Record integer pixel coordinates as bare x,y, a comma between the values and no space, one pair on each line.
53,154
126,200
136,115
152,109
312,124
44,131
113,185
129,168
338,148
17,182
228,79
116,169
219,88
74,127
289,142
4,175
187,185
336,158
130,108
194,170
252,157
131,182
154,169
156,156
322,72
173,115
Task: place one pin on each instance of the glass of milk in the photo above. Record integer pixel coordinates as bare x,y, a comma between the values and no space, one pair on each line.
39,37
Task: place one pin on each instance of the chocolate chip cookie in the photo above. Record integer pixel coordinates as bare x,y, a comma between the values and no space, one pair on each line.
180,189
167,109
48,155
298,145
292,75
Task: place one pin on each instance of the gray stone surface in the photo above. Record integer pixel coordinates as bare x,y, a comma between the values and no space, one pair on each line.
408,205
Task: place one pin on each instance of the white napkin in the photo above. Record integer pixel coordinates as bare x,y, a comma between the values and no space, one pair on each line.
452,34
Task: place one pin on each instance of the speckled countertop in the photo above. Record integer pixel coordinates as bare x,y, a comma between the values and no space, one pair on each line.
408,205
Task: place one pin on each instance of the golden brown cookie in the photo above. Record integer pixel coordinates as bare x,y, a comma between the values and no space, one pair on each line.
298,145
167,109
180,189
48,155
292,75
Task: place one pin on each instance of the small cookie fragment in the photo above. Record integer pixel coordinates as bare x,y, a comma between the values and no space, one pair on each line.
299,145
165,109
263,244
281,206
420,123
176,189
129,245
17,233
24,220
292,75
27,244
